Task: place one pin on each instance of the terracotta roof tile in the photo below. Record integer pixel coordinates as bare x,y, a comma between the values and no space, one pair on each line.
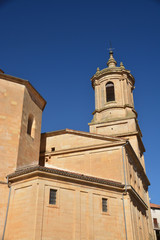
152,205
67,174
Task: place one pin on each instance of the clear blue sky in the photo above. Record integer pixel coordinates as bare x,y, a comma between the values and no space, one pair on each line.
57,46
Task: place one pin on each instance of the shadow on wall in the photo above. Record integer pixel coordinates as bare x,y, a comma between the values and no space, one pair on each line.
42,150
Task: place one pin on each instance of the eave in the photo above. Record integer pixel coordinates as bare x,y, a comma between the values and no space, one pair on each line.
36,97
64,175
81,133
132,192
137,162
154,206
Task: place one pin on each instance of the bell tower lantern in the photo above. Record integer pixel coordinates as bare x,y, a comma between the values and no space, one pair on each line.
114,113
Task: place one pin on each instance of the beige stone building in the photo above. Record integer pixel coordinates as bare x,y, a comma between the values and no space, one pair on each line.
73,185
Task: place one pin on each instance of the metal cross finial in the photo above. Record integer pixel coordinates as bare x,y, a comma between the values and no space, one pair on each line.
111,62
110,49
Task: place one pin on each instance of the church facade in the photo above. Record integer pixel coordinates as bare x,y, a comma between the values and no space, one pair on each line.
70,184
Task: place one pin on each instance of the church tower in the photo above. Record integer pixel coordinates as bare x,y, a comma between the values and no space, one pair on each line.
114,113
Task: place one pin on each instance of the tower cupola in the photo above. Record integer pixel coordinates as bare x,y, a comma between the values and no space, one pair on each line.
114,112
113,93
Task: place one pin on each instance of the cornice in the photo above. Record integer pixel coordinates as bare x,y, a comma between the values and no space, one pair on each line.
114,70
63,175
138,163
36,97
127,134
139,128
111,120
79,133
137,133
132,192
86,148
114,105
141,145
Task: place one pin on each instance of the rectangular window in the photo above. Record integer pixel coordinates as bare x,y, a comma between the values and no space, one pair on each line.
52,196
104,205
155,222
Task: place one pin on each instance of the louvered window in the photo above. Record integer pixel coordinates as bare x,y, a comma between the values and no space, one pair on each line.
52,196
104,205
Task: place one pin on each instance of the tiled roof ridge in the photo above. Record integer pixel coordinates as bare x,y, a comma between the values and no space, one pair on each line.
67,174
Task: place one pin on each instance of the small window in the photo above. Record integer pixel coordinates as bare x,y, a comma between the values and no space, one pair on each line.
155,222
30,123
31,126
52,196
110,92
104,205
53,149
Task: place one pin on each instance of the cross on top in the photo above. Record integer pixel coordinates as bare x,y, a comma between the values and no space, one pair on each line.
110,48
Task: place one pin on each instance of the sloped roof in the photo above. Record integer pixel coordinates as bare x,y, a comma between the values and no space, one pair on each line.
152,205
66,173
82,133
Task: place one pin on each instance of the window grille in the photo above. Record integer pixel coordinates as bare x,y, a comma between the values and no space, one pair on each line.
104,205
52,196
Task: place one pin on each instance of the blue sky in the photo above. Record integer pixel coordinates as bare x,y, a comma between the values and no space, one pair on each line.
57,46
